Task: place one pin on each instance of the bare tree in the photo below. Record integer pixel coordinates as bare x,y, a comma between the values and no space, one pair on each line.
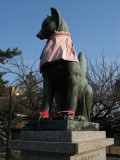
28,83
104,77
28,92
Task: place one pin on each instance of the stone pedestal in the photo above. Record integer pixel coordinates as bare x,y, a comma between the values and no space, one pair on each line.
65,125
62,145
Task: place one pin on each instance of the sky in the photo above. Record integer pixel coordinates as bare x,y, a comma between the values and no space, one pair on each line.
94,25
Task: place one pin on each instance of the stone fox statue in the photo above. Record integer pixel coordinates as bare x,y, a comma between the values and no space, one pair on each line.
63,73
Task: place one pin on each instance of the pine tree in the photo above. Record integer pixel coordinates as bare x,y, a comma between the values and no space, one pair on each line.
8,54
4,58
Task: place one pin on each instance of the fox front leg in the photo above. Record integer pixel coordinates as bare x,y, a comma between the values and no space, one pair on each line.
48,93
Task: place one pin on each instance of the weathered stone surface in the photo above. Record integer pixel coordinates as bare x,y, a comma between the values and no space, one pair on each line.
39,156
60,136
91,155
65,125
94,155
46,147
62,145
94,145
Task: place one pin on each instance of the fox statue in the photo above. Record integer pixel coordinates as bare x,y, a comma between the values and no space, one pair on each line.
64,74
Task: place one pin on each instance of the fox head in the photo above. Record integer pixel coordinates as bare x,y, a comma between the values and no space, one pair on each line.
51,24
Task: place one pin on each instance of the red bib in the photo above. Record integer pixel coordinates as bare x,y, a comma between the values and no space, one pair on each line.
58,47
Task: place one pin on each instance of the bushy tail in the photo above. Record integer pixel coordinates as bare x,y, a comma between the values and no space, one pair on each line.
83,64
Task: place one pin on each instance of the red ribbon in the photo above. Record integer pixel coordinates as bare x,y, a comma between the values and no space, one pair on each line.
68,112
58,34
45,114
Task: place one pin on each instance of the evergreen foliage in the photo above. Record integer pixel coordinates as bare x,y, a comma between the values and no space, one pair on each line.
4,58
8,54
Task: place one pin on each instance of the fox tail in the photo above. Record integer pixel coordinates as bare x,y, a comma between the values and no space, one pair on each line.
83,63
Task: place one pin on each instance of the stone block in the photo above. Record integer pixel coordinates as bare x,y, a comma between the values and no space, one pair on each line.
93,155
60,136
65,125
62,145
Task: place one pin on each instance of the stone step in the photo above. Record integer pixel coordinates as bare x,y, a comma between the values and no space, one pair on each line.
62,136
92,155
61,147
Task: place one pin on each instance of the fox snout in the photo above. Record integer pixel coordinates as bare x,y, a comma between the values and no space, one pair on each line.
40,35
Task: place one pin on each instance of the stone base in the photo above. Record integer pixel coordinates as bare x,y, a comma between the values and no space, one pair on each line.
65,125
62,145
94,155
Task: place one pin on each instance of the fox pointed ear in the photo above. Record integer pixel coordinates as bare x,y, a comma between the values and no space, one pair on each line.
61,24
56,14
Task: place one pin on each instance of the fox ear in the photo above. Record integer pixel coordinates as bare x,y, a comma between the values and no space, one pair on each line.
61,24
56,14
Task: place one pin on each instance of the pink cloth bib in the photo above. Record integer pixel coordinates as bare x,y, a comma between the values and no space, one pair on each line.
58,47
